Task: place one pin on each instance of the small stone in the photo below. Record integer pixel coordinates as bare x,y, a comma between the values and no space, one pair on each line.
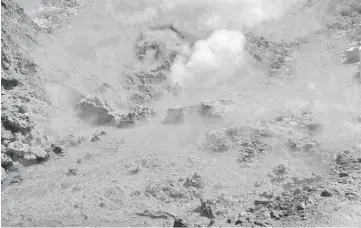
326,193
211,223
72,172
134,170
261,202
275,214
343,174
301,207
179,223
23,109
57,149
207,208
250,209
229,220
95,138
240,221
308,147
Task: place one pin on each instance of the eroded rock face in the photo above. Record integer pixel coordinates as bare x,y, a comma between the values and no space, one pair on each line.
214,110
96,110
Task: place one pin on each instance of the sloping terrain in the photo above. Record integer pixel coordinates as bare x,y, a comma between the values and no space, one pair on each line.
117,115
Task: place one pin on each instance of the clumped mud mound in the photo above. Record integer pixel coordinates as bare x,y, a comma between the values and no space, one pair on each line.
213,110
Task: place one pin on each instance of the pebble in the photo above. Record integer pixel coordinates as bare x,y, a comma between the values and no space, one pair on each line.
326,193
57,149
343,174
179,223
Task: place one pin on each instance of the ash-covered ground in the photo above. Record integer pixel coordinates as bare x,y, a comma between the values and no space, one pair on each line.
180,113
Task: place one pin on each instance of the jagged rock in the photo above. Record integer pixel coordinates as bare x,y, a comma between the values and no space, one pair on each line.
39,152
17,149
195,181
72,172
97,136
136,115
6,161
57,149
179,223
96,110
211,223
207,208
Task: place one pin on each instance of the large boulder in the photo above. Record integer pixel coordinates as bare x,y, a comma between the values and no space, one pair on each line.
96,110
24,153
17,149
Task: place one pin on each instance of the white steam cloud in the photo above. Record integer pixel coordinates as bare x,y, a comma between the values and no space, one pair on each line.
221,53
